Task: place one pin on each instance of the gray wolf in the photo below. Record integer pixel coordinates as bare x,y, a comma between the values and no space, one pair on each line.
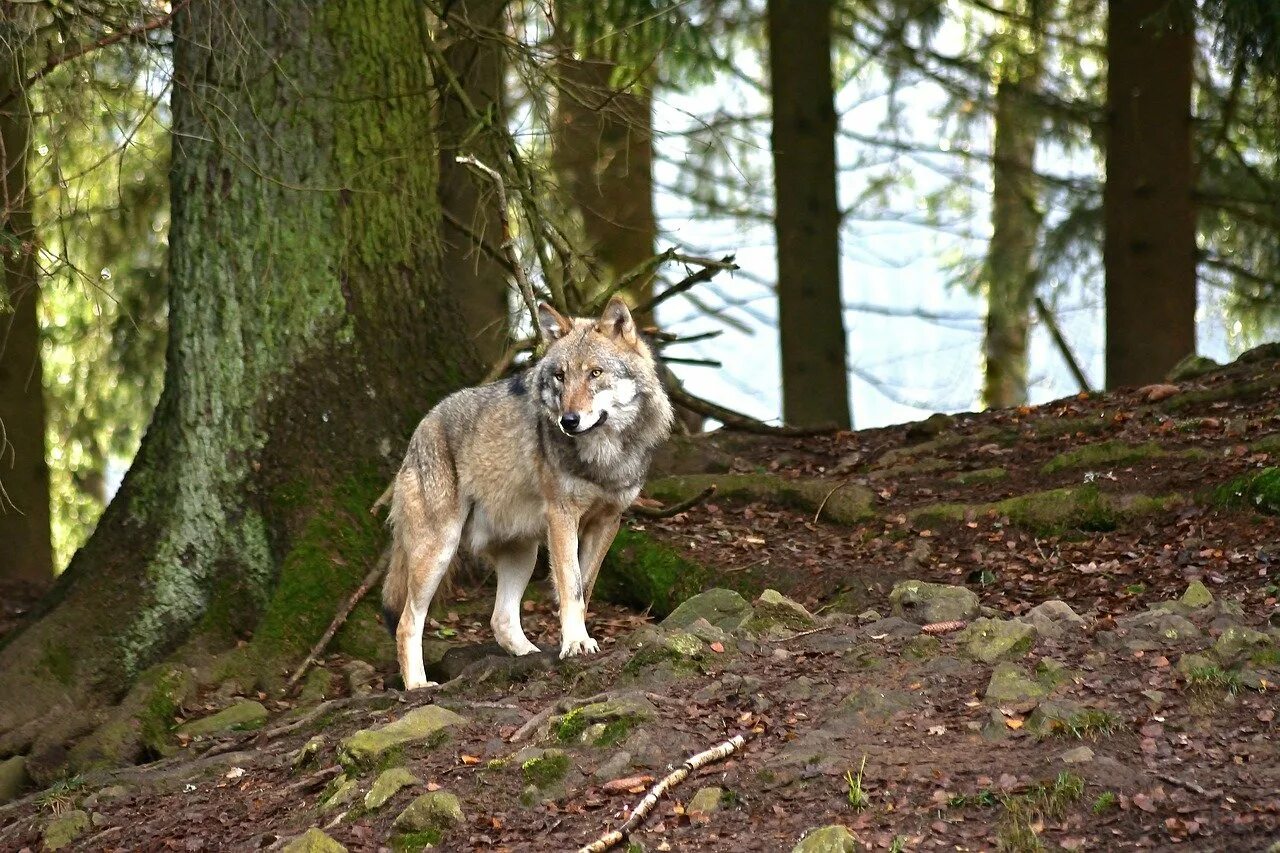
558,451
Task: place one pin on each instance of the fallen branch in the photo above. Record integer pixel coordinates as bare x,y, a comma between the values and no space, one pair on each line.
674,509
642,809
736,420
1190,786
365,585
800,634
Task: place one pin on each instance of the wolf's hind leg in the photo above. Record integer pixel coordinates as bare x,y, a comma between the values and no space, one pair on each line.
428,563
513,565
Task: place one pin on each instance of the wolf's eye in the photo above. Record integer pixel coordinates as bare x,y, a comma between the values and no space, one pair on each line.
559,375
597,373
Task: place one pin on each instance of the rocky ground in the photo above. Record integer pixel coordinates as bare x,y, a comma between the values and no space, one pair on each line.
1038,629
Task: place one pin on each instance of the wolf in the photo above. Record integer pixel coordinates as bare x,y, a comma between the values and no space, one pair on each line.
556,453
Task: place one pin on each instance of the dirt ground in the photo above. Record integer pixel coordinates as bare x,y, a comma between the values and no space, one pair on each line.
1149,723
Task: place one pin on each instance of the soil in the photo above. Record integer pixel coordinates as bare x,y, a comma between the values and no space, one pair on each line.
858,709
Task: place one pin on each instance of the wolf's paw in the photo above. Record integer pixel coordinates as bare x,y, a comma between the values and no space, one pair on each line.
419,684
520,648
584,646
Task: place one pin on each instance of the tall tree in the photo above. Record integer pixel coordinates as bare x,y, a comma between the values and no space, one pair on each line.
476,57
1150,244
815,386
309,330
24,477
1010,274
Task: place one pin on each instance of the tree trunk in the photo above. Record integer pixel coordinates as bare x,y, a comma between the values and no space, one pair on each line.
26,549
476,281
309,331
1150,245
603,154
1015,225
815,389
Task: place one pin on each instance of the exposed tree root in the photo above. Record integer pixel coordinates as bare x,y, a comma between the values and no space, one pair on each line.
642,809
673,509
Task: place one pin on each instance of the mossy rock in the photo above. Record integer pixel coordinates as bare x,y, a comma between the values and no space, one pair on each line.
834,838
922,647
773,609
685,653
319,685
63,830
841,502
387,785
1086,425
1267,444
240,717
1054,511
924,603
433,814
425,725
1192,367
1010,685
993,640
724,608
608,722
705,802
1259,490
1053,618
314,840
341,791
1238,391
1237,644
870,704
545,769
13,778
909,469
641,572
982,475
1103,454
1196,596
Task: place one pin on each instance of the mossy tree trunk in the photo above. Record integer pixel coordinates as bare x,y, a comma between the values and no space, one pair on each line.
1010,274
25,541
477,282
815,382
308,332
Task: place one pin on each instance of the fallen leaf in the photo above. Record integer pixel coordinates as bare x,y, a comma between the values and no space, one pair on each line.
1013,723
626,784
235,773
1143,802
470,759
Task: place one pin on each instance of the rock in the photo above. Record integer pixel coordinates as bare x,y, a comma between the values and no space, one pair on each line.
1053,618
1160,625
868,703
922,647
1196,596
1051,717
992,640
704,802
367,746
868,616
13,778
683,651
1192,367
930,427
387,785
343,794
240,717
104,795
613,767
1010,685
1237,644
307,754
1262,352
773,608
924,603
827,839
612,720
317,686
892,627
314,840
65,829
708,633
1079,755
723,608
490,657
437,811
1191,662
360,677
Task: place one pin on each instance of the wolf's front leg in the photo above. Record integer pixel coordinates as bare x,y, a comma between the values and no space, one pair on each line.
562,543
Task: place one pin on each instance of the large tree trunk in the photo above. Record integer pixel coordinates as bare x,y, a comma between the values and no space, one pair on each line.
1150,246
815,385
307,336
603,153
1015,225
26,550
476,281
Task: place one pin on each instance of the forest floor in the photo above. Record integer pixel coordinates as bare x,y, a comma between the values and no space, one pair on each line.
1097,668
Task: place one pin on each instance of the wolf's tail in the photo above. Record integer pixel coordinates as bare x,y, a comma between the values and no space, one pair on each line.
395,588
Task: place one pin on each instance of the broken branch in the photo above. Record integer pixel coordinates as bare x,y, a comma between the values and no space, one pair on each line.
642,809
674,509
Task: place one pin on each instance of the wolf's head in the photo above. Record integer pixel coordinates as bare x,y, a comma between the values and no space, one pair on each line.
597,373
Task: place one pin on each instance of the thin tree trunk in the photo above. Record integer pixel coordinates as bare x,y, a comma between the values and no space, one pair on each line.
603,151
309,331
1150,245
477,282
26,550
815,385
1015,226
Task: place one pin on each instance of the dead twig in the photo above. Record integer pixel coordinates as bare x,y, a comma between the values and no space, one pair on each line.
1190,786
736,420
365,585
710,269
827,497
642,809
800,634
674,509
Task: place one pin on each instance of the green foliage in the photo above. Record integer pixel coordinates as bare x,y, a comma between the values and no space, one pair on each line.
856,795
1106,801
1214,679
1259,490
1017,827
546,769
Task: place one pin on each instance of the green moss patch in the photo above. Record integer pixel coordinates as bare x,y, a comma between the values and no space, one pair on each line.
844,503
1054,511
982,475
545,770
641,572
1103,454
1259,490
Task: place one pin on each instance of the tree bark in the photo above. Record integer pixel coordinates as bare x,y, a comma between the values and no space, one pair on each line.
603,156
1015,224
476,281
309,330
1150,244
25,539
815,389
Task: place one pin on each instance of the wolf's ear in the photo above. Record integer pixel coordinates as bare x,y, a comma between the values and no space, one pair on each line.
616,321
553,324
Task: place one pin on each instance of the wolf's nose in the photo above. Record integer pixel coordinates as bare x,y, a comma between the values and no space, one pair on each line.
570,421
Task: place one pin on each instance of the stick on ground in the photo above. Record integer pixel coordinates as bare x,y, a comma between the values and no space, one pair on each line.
611,839
674,509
